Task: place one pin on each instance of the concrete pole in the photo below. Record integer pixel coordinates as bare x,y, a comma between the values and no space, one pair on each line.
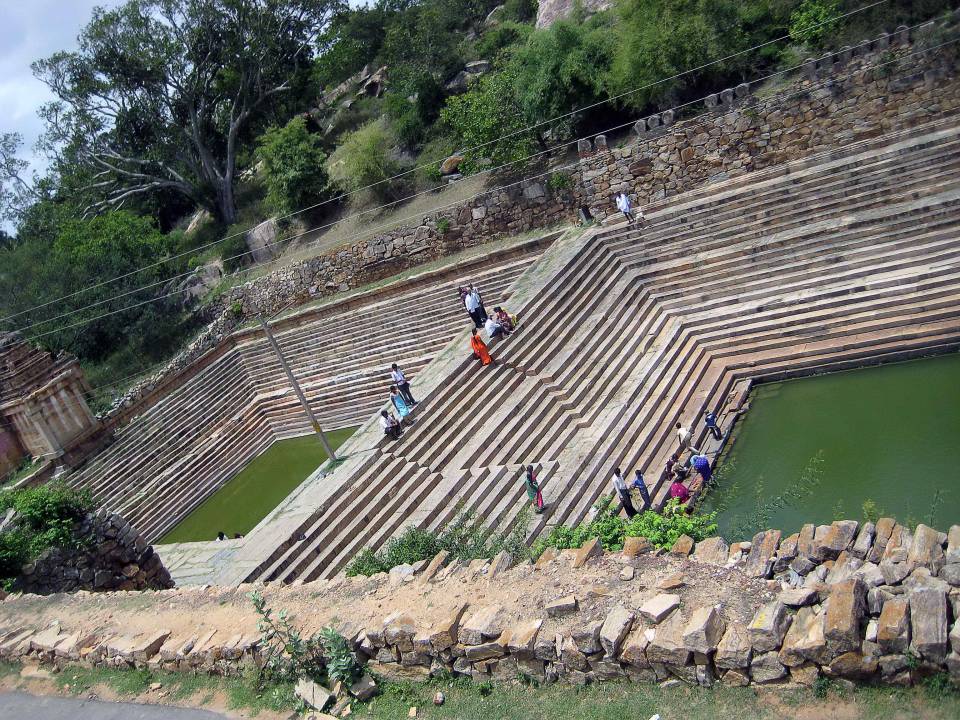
296,388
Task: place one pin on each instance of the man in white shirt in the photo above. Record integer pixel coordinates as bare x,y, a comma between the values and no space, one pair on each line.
400,380
478,302
686,438
621,489
391,428
624,206
494,329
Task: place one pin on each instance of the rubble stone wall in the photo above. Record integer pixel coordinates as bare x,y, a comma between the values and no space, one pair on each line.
871,602
112,556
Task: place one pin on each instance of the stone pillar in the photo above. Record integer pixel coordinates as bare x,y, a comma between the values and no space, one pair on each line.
653,122
600,143
54,448
640,127
667,117
741,91
82,404
726,97
902,35
810,68
711,101
584,147
54,400
68,404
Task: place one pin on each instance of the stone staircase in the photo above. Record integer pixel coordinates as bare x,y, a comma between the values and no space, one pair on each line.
174,455
838,260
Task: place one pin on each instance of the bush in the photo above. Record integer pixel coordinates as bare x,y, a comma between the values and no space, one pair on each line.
466,538
661,529
293,166
504,35
520,10
813,21
363,161
46,516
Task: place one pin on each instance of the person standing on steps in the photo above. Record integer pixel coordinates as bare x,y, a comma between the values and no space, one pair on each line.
710,420
472,303
479,348
621,489
624,205
533,490
400,404
391,427
640,486
475,292
400,380
686,439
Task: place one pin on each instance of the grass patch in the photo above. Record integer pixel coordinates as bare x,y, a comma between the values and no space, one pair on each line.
277,698
125,683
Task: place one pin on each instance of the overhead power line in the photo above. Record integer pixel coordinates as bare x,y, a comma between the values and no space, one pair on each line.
392,178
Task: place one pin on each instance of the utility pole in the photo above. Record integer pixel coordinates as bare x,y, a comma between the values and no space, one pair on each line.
296,388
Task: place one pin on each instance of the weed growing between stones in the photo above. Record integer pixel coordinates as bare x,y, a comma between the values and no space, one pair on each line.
466,538
287,655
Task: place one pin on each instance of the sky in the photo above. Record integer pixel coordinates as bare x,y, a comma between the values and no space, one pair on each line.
30,30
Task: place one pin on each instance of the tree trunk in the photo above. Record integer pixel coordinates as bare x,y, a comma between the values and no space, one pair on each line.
226,202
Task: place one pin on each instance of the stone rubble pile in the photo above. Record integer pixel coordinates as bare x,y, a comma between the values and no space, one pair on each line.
111,555
871,603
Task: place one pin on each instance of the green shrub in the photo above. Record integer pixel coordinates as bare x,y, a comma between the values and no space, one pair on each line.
504,35
520,10
813,21
363,161
14,554
466,538
292,166
661,529
443,225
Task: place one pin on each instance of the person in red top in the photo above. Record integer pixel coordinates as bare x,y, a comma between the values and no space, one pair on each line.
679,491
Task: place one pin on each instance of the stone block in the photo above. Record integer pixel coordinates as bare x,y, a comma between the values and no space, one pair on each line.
768,627
854,666
614,629
546,557
438,561
485,624
927,549
502,561
953,545
657,608
312,694
667,645
735,678
928,624
484,651
954,636
861,546
734,649
884,529
893,627
523,638
837,539
766,667
364,688
634,649
671,582
590,549
714,551
845,613
145,647
587,637
562,606
399,629
633,546
571,656
400,574
760,561
683,546
798,597
704,630
805,640
805,674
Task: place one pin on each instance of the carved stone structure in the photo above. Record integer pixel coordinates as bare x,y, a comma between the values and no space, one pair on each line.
43,411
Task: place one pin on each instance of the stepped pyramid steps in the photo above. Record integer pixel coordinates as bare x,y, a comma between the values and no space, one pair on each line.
174,455
848,257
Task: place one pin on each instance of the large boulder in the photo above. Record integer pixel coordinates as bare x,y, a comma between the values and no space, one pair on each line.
928,623
549,11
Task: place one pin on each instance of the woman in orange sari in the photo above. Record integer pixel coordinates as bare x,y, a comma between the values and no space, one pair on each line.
479,348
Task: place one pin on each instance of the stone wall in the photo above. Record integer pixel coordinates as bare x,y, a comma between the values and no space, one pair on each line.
112,556
879,86
872,603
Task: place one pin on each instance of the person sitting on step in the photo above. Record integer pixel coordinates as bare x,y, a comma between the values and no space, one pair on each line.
494,329
400,403
533,490
479,348
505,319
391,426
221,536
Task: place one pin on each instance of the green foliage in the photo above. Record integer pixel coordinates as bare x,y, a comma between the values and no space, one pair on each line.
870,511
363,161
488,120
443,224
502,36
466,538
821,686
287,655
46,516
813,21
351,41
520,11
559,181
661,529
293,165
237,309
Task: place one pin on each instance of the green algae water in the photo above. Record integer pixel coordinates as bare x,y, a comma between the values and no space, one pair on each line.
256,490
816,449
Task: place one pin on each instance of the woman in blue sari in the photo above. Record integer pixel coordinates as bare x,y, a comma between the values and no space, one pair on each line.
400,404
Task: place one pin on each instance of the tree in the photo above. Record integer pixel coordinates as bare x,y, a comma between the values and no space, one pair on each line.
489,121
293,166
16,192
161,92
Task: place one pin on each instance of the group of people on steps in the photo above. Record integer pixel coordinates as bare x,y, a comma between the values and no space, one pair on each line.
403,402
